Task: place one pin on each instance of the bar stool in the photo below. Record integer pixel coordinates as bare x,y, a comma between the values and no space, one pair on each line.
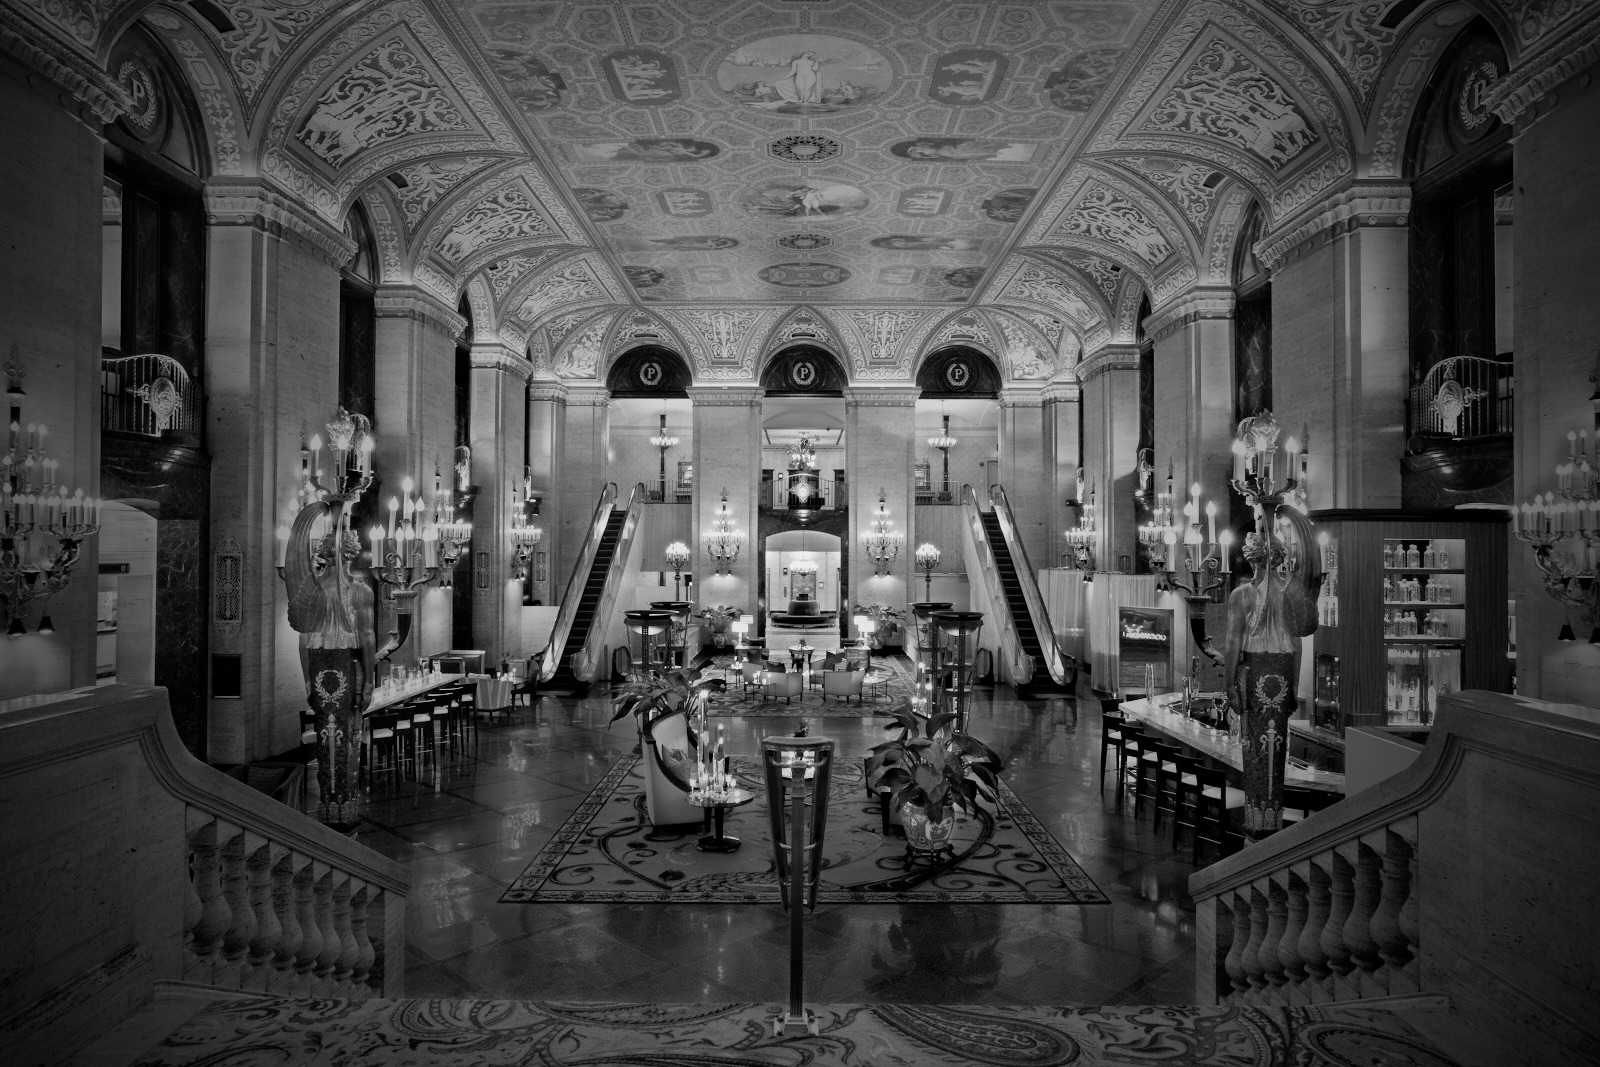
424,735
1129,760
1145,772
1112,725
1185,791
1209,820
448,720
405,736
383,747
1163,780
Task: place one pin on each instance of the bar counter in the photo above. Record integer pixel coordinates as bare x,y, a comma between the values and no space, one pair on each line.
1220,746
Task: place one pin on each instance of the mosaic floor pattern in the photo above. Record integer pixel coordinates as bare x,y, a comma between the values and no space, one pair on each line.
608,852
455,1033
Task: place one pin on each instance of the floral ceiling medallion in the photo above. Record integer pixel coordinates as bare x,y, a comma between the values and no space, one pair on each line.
804,148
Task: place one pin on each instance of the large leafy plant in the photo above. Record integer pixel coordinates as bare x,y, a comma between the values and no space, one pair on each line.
933,764
652,696
720,615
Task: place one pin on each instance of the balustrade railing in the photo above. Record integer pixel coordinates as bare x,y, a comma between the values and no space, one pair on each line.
147,394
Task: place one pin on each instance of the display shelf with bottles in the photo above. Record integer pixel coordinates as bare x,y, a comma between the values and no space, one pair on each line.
1421,595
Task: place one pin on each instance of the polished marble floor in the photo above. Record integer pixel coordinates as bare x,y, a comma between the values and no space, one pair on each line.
466,838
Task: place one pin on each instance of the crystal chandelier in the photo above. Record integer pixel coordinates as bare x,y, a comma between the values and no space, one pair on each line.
927,560
1080,539
723,541
803,565
677,556
880,539
944,443
1153,535
455,532
1569,516
663,441
33,503
524,534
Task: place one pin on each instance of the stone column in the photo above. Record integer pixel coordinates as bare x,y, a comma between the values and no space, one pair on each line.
499,377
547,434
1110,380
1341,344
727,455
1194,396
1063,411
415,365
1026,468
880,447
272,329
585,467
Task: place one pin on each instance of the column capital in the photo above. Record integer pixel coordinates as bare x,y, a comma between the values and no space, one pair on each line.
409,302
1106,359
1063,389
261,205
496,356
725,396
588,396
544,389
1515,95
1023,396
887,397
1357,205
47,59
1192,306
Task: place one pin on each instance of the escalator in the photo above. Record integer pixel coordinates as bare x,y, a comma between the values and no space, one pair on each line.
577,642
1029,652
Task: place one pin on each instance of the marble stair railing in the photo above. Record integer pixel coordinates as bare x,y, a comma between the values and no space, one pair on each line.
1466,878
131,863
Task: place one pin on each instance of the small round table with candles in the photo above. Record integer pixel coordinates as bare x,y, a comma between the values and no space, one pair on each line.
718,803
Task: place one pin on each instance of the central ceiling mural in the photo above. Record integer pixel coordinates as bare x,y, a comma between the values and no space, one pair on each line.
725,161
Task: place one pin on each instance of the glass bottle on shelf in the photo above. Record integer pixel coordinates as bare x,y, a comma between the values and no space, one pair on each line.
1442,559
1388,556
1429,556
1413,557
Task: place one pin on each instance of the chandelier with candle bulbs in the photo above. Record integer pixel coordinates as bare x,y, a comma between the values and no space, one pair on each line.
1562,527
880,539
927,561
525,536
1153,534
35,509
944,443
1080,538
723,541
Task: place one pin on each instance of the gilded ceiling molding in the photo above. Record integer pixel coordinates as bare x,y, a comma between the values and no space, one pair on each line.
221,110
890,396
1027,354
1191,307
1106,359
544,391
1020,395
391,251
1223,235
492,355
86,90
1059,390
588,395
725,396
1354,207
256,202
409,302
1523,87
481,301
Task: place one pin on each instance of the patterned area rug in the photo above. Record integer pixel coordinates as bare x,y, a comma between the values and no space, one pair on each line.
896,676
458,1033
608,852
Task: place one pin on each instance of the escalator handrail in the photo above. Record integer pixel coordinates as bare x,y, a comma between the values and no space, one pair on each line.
1010,641
1054,660
587,658
550,656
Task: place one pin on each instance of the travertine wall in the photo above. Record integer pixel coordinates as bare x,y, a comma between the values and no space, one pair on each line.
1556,329
50,312
1194,413
880,429
583,468
1025,471
727,455
1110,409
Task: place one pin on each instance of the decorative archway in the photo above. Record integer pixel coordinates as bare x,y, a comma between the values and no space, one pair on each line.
649,371
804,370
958,372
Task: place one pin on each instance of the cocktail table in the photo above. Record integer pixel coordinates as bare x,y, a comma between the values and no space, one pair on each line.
717,806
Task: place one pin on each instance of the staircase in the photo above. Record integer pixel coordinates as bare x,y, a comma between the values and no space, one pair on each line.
589,602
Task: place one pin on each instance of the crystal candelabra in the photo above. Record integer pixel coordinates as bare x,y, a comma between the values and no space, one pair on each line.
524,535
454,532
1080,538
677,556
944,443
723,541
1204,555
405,553
663,442
1153,535
33,504
880,539
1562,526
1256,476
927,559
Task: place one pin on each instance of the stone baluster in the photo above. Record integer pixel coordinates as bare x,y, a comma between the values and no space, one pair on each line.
1367,886
1239,911
1313,956
269,930
346,961
328,956
1294,968
361,970
1277,918
310,947
1254,972
378,905
242,918
1407,832
1341,895
283,979
1395,877
205,854
192,908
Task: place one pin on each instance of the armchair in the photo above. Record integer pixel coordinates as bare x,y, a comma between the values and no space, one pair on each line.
843,684
785,684
667,759
753,674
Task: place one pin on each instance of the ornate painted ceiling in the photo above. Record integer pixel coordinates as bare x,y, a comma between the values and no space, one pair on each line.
871,175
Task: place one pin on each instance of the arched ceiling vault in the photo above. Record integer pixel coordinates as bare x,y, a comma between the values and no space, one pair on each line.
863,171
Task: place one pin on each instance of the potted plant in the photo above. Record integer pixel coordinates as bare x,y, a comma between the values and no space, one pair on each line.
886,622
719,616
930,770
653,696
668,706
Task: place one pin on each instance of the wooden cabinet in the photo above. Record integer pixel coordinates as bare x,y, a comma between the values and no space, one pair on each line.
1413,608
